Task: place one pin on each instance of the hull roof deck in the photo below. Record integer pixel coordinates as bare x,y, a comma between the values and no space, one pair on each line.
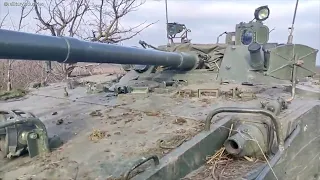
104,135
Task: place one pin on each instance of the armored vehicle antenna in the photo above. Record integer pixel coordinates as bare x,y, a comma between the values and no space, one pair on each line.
174,28
290,37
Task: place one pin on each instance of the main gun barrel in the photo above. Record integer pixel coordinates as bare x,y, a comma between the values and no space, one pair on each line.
27,46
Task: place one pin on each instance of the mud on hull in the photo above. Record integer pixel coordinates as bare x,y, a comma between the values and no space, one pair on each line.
108,138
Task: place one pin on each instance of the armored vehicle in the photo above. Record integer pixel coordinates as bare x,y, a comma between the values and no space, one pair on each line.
243,109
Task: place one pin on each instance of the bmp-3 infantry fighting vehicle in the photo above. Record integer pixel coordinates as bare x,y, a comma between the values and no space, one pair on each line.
244,109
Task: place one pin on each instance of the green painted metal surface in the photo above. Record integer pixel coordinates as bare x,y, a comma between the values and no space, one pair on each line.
282,60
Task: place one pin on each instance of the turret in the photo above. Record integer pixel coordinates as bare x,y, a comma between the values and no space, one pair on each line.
26,46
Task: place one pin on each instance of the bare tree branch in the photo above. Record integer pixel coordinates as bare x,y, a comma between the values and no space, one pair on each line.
3,19
106,26
47,24
64,16
74,27
23,14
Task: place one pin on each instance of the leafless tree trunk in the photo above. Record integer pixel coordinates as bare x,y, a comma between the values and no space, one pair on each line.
9,84
1,26
64,19
106,27
23,14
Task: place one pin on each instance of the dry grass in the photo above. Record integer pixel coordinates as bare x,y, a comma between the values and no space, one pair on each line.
96,135
16,93
220,157
24,73
223,166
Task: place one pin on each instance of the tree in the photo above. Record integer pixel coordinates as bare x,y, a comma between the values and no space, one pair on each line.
106,16
24,12
63,19
2,21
